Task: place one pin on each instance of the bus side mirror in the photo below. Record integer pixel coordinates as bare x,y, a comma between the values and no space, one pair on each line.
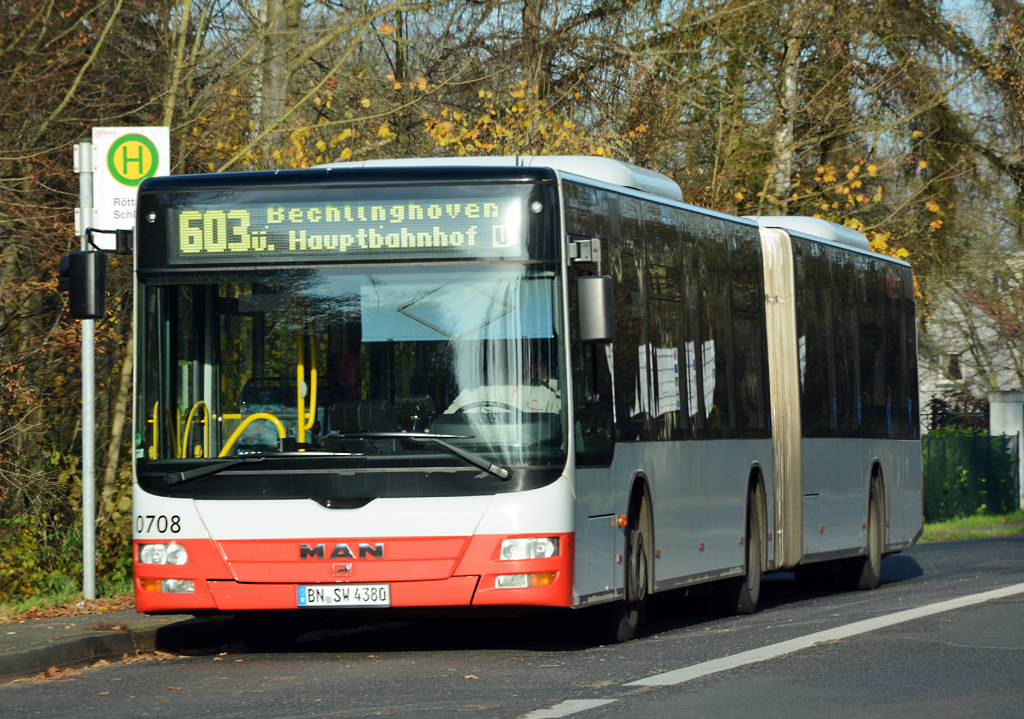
83,275
597,322
125,239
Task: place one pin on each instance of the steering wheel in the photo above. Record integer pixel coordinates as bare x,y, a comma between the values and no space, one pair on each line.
488,404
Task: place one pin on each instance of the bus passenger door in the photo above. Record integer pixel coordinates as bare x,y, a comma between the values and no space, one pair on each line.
593,420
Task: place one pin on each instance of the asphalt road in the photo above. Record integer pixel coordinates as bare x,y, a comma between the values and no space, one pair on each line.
965,662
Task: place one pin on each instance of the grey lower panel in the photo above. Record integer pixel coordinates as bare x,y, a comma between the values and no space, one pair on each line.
676,583
895,547
835,554
698,494
599,598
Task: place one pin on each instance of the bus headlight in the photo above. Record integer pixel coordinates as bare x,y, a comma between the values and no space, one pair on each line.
529,548
172,553
179,586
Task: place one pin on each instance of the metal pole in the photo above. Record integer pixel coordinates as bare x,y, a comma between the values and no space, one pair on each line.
88,394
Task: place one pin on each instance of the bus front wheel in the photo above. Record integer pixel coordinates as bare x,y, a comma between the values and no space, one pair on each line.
619,621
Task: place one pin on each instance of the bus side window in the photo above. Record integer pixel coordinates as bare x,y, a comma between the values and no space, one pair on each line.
690,345
750,379
624,262
715,328
580,203
872,349
895,342
813,320
844,342
910,338
666,323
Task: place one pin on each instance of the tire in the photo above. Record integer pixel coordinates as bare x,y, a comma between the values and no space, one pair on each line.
864,573
619,621
741,595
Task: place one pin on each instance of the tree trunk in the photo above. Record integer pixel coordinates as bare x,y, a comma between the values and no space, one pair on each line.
283,21
780,174
117,426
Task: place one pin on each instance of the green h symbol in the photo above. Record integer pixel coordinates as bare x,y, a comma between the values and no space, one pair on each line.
125,159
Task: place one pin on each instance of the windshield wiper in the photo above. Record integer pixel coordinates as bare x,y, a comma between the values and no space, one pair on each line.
474,459
188,475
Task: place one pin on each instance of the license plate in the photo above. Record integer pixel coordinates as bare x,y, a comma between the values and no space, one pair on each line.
345,595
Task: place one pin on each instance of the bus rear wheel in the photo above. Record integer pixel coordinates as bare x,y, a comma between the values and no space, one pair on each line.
741,595
865,572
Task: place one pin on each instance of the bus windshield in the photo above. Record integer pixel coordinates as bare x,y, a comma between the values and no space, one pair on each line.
299,359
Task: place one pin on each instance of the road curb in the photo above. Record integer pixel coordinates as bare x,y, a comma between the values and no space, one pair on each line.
85,649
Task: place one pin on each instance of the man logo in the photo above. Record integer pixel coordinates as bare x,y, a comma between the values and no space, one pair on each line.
342,551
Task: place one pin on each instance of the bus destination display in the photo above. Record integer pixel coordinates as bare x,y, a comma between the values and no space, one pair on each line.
294,231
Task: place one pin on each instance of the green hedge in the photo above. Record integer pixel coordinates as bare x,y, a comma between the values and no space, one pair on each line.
967,474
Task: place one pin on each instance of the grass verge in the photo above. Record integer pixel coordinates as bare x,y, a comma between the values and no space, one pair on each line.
979,525
68,601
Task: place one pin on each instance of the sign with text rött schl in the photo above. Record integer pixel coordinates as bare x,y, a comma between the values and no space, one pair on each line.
122,158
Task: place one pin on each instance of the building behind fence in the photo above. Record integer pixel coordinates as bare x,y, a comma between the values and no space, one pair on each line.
970,473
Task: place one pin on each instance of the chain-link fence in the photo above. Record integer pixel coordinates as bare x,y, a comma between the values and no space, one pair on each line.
968,474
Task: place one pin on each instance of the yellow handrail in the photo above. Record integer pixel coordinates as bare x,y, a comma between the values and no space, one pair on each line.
300,375
156,430
154,450
312,383
245,423
188,426
302,426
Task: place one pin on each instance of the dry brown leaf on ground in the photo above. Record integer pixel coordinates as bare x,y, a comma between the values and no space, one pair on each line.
51,674
74,608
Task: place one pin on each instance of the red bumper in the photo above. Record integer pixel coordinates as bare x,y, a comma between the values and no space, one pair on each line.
422,572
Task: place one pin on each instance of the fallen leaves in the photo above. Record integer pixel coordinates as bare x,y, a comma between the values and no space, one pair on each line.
105,626
51,674
73,608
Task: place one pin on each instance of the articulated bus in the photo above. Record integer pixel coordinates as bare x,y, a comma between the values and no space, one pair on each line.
503,384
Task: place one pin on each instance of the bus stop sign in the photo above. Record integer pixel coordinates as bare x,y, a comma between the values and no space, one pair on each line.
122,158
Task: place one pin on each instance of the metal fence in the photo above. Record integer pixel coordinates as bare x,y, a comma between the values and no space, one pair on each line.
968,474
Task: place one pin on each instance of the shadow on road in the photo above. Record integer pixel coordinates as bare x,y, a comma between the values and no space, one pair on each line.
667,611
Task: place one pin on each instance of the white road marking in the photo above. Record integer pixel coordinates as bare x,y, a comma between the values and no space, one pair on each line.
695,671
568,707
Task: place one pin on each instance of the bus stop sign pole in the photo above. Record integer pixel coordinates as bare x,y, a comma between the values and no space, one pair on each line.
83,165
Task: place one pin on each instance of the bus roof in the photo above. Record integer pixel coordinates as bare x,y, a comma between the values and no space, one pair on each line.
602,169
815,227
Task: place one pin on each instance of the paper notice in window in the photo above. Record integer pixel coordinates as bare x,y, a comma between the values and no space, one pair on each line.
667,362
